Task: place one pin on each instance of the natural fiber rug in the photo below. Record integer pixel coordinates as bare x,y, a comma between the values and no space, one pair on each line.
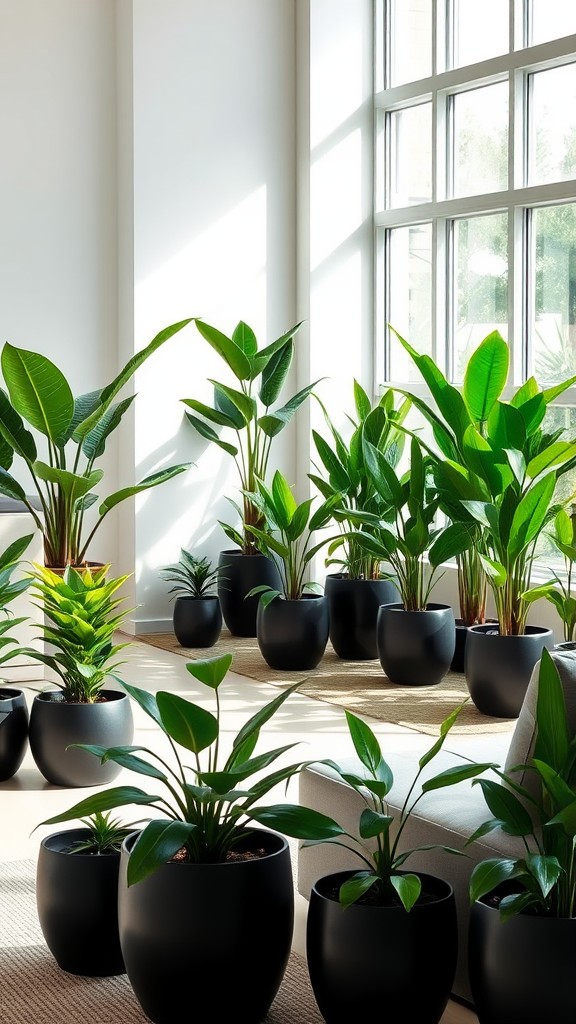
34,988
359,686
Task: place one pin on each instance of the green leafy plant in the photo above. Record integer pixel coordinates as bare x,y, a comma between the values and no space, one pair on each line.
106,834
192,576
39,406
346,478
544,819
559,590
81,615
246,413
288,537
379,838
404,533
10,589
496,468
209,805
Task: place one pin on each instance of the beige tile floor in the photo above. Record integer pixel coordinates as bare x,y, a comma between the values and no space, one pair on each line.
318,729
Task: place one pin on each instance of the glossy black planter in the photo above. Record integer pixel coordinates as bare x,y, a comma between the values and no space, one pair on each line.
521,970
238,575
54,725
13,731
498,668
457,663
292,635
381,963
186,925
415,648
197,621
353,609
77,904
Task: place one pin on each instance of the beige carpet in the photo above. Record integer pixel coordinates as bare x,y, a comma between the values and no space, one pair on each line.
359,686
34,989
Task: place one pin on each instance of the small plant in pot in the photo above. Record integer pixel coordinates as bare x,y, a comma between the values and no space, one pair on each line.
415,637
77,895
504,466
372,933
355,594
523,909
248,418
81,613
38,406
197,617
206,887
13,705
292,625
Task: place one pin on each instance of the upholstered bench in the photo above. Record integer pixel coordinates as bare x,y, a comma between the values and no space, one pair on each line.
447,817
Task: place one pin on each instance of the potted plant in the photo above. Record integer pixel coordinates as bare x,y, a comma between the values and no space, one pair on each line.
13,705
197,617
522,932
77,895
356,592
244,414
503,466
39,406
292,624
415,637
81,613
373,934
206,887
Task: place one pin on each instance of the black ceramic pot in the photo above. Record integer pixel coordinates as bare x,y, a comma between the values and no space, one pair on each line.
498,668
197,621
292,635
415,648
353,609
186,925
381,963
238,575
77,904
55,724
13,731
522,969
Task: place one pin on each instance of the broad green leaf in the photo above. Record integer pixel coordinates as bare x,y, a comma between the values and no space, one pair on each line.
355,887
459,773
486,375
408,888
383,476
245,405
254,724
109,393
274,374
452,541
298,822
530,514
188,724
205,431
339,478
373,824
506,427
365,743
243,336
553,455
72,485
286,412
284,502
448,399
214,415
146,700
490,873
553,736
84,406
156,845
38,391
14,432
150,481
361,401
263,357
210,671
230,352
506,807
94,443
106,800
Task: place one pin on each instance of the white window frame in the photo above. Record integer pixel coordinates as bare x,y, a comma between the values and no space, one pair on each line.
517,200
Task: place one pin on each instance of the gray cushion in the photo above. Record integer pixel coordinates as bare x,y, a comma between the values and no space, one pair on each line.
521,747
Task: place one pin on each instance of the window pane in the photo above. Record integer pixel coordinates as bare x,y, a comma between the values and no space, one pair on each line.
481,140
553,125
410,40
410,276
481,284
554,343
411,155
552,19
480,30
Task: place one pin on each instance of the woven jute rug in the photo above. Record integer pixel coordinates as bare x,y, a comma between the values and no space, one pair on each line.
359,686
34,989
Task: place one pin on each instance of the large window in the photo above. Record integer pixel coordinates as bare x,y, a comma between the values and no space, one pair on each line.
476,185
